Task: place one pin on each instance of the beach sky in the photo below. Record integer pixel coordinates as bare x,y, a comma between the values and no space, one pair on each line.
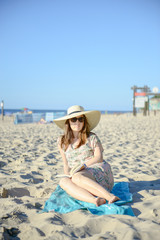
56,53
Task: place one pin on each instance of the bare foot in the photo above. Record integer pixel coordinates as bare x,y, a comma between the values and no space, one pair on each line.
113,199
100,201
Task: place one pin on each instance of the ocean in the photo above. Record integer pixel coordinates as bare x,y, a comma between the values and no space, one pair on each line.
9,112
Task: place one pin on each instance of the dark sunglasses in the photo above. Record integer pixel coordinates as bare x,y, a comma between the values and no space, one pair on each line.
80,119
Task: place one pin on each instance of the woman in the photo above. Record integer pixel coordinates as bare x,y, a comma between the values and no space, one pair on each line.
79,145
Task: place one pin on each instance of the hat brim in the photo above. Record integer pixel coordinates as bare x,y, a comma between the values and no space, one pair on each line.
93,118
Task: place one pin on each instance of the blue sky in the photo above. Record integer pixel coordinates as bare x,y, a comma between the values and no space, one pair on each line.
57,53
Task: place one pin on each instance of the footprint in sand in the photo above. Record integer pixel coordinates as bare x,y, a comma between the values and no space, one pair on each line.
32,179
2,164
156,212
14,192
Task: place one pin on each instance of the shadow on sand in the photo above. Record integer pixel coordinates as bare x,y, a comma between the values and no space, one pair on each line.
138,186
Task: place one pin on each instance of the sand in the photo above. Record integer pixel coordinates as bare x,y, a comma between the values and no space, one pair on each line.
30,161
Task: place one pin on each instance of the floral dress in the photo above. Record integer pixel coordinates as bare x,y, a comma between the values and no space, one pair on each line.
101,171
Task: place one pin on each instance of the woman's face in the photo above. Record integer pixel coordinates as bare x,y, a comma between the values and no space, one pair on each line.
77,123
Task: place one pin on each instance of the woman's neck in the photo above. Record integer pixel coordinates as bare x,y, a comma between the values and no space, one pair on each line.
76,135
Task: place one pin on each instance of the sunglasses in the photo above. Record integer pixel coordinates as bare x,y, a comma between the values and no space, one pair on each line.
80,119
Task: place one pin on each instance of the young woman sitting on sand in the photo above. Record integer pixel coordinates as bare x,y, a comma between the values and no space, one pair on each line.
79,145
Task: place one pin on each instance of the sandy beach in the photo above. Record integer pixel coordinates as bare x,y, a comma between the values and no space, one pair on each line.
30,161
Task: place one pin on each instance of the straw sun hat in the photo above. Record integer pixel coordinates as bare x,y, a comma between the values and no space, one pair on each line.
93,117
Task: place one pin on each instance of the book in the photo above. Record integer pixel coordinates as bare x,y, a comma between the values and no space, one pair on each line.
78,167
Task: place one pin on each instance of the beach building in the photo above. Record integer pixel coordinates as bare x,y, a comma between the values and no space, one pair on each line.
154,103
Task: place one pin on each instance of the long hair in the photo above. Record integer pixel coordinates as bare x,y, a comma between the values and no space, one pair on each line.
68,136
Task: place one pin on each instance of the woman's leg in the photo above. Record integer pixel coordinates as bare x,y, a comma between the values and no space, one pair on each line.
86,181
80,193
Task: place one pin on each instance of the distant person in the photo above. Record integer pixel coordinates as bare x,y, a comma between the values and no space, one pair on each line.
42,121
79,145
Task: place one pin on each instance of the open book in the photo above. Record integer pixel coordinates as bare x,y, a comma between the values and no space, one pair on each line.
78,167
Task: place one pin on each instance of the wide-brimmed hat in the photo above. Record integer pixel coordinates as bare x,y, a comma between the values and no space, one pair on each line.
93,117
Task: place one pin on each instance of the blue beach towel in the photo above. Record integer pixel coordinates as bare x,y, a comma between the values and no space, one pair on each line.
61,202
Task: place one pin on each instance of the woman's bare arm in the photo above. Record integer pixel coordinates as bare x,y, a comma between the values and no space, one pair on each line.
65,163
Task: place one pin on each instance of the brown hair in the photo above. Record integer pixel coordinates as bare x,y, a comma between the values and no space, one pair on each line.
67,138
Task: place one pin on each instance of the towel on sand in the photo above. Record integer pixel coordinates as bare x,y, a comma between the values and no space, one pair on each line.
61,202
